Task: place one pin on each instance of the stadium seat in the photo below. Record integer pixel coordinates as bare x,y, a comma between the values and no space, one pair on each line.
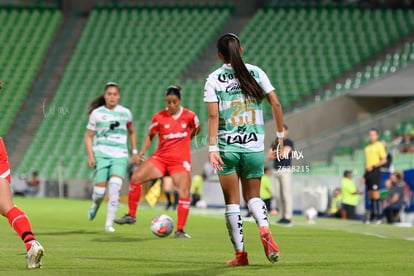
144,49
24,37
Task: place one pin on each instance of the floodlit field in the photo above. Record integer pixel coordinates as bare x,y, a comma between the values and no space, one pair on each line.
76,246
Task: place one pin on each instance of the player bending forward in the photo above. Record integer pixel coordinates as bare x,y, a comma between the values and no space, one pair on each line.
175,126
16,217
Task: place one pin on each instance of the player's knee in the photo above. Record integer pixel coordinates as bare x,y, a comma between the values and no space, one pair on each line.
115,180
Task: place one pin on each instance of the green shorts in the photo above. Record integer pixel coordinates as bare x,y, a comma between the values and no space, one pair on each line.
105,167
247,164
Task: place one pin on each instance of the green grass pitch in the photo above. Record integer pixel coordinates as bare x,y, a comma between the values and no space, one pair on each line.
76,246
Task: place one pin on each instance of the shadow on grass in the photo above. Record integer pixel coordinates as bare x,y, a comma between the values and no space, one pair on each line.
67,232
111,237
217,270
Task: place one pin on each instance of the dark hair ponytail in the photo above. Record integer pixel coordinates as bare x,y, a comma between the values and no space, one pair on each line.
228,46
100,100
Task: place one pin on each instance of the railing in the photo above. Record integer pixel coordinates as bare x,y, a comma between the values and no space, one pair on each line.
324,146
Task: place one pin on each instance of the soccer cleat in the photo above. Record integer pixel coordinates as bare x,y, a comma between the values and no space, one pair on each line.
240,259
182,234
34,255
109,229
127,219
284,221
270,247
93,211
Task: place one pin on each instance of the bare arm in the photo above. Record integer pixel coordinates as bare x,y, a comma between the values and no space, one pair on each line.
382,162
270,155
145,145
133,139
88,143
213,120
277,116
195,131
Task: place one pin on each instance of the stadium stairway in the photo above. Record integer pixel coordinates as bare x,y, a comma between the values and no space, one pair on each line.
208,58
96,59
36,105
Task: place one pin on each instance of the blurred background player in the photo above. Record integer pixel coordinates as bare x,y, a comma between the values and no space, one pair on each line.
108,129
33,184
170,193
16,217
175,126
266,188
349,196
234,95
375,157
197,188
394,200
282,178
335,205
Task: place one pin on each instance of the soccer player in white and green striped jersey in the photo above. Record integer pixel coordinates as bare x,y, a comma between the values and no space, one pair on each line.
108,129
234,94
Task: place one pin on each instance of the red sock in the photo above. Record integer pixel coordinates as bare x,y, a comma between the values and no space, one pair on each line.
19,222
134,195
182,212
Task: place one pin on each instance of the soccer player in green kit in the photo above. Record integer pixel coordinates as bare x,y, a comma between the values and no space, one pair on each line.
234,94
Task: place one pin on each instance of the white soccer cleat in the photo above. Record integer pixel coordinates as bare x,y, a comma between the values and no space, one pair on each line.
35,255
109,229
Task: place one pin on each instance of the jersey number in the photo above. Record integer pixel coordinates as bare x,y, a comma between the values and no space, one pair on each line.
237,119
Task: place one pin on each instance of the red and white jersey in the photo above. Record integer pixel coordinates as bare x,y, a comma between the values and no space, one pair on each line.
174,133
4,162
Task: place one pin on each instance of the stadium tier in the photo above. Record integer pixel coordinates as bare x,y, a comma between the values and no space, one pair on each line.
389,64
24,39
303,48
144,50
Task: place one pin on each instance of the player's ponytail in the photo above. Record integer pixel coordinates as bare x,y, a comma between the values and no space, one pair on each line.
228,46
100,100
97,102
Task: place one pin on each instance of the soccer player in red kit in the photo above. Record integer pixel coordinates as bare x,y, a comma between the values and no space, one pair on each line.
175,127
16,217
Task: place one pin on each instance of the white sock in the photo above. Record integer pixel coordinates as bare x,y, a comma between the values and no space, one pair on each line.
97,196
234,225
114,187
259,211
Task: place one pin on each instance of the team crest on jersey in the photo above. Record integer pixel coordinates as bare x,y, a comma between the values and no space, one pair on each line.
104,117
184,125
167,126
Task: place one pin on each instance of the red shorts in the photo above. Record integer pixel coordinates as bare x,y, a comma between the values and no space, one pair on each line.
4,162
170,167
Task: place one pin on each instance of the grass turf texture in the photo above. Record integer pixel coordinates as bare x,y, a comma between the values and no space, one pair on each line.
76,246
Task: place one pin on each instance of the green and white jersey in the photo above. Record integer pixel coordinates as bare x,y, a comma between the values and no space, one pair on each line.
241,124
111,131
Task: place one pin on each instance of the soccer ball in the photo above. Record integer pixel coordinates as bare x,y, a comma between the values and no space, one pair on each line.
311,214
162,226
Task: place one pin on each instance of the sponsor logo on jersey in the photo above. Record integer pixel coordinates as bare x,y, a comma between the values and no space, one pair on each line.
226,77
187,166
242,138
175,135
233,88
